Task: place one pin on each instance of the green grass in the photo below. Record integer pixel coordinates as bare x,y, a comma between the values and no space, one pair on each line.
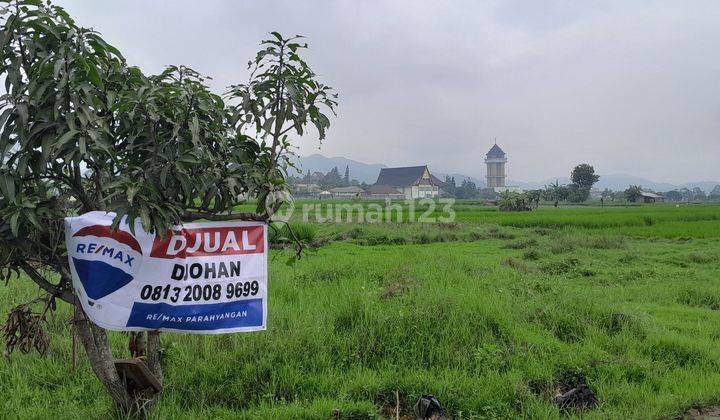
487,313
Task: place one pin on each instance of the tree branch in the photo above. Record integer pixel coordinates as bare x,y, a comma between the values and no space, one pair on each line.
298,244
36,277
191,216
287,129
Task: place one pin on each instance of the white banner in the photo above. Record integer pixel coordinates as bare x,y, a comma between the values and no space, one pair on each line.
202,278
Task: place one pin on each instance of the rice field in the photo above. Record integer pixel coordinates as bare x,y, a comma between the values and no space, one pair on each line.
493,313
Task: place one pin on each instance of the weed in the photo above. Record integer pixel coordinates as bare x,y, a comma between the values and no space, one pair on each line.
517,265
497,233
560,266
699,298
698,258
562,245
607,242
531,254
521,244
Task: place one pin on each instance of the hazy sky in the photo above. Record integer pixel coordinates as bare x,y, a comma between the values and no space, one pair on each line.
628,86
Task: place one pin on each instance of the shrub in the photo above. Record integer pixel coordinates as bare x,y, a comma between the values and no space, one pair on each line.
560,267
512,201
280,234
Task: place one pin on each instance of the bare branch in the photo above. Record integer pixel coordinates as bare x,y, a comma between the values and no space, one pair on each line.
298,244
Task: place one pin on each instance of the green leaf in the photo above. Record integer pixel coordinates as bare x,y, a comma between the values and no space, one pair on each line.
4,117
22,111
57,67
111,98
145,219
9,186
66,138
131,191
14,224
45,147
94,76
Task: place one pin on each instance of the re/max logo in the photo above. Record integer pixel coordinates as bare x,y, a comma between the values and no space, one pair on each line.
93,248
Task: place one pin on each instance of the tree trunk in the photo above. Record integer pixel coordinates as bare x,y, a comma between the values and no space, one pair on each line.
153,354
97,348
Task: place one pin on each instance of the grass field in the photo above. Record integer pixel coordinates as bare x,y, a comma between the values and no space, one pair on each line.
491,313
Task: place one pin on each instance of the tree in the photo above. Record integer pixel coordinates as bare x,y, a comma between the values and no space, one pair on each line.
450,187
577,193
534,197
553,193
512,201
583,176
687,195
698,194
467,189
633,193
673,195
332,179
282,96
346,178
81,130
715,194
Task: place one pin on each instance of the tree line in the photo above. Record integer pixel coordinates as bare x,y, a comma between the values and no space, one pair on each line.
324,181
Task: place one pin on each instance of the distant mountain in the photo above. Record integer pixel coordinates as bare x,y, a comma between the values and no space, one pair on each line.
368,173
363,172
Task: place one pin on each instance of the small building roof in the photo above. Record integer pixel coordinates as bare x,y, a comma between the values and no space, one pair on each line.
382,189
495,152
650,195
400,177
350,189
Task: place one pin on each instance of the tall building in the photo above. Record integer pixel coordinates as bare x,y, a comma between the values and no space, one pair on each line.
495,161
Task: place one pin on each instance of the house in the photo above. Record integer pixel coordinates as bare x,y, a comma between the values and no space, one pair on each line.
323,195
648,197
306,189
347,192
412,181
384,192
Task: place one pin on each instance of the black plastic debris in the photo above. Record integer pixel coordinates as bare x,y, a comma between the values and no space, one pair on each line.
580,397
428,407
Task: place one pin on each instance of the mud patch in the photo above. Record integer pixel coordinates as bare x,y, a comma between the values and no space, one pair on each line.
568,390
701,413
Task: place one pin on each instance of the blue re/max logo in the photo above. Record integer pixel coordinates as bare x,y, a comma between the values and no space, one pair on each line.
93,248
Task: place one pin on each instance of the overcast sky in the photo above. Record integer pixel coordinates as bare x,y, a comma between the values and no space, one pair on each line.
628,86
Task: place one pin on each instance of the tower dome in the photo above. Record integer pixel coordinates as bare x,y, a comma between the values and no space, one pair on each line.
495,152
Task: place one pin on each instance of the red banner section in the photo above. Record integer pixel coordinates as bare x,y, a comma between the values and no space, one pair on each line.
210,241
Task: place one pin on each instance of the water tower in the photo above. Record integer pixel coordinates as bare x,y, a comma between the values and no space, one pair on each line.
495,161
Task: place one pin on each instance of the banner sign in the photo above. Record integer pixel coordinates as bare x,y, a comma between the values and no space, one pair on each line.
202,278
